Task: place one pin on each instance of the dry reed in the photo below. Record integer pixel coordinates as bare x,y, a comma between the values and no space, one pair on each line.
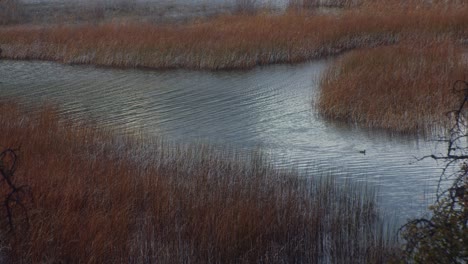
406,88
100,198
227,42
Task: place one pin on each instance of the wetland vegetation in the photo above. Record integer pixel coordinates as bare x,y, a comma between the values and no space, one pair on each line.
99,197
405,87
230,41
247,39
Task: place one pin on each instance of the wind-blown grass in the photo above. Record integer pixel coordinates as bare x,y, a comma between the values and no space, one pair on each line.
100,198
224,43
228,42
406,88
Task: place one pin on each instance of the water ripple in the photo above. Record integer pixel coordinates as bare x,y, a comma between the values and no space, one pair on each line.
268,107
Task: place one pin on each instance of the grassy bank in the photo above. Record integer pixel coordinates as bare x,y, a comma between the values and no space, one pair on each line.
406,88
230,41
99,198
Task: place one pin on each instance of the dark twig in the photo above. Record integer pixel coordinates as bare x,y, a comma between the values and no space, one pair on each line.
450,212
16,195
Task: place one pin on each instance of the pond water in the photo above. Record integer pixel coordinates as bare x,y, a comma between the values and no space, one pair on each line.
268,107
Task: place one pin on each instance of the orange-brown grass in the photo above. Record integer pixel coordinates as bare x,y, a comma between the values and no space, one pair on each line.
100,198
227,42
406,88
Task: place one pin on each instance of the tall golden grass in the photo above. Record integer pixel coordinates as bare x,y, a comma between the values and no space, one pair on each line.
101,198
406,88
230,41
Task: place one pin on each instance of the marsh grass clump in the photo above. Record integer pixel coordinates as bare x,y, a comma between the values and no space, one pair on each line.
227,42
404,88
102,198
240,41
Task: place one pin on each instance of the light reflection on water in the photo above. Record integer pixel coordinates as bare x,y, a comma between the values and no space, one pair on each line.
268,107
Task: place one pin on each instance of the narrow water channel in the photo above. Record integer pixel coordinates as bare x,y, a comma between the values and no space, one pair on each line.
268,107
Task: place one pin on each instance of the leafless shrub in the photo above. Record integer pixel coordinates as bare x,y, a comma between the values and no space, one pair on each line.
443,237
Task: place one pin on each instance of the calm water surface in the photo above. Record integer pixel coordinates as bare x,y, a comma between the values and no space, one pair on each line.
268,107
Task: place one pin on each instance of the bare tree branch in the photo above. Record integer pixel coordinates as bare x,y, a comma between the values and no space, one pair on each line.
16,195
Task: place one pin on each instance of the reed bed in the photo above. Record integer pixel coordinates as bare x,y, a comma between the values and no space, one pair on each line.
230,41
101,198
405,88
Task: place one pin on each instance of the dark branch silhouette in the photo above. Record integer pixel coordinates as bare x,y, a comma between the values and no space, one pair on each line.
17,194
443,237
